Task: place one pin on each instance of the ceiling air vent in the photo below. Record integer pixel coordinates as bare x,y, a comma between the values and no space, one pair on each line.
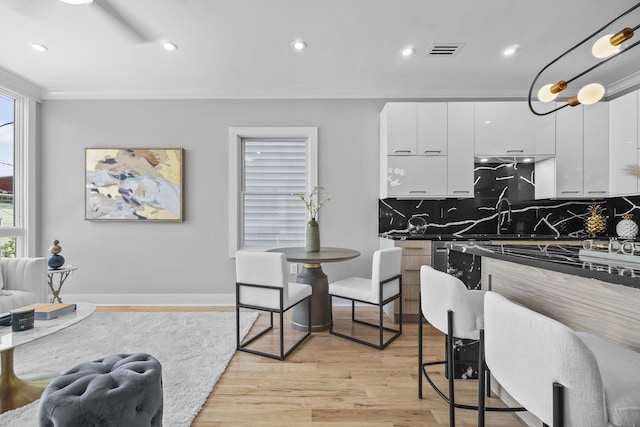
444,49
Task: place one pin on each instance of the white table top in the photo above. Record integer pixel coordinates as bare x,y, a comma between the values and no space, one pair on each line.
42,328
61,269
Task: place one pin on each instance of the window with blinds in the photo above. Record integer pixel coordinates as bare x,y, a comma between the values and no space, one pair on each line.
272,170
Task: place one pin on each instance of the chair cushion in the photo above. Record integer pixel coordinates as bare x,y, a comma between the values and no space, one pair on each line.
357,288
619,369
15,299
270,298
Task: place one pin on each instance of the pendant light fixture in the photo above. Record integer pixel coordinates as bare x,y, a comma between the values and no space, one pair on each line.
605,48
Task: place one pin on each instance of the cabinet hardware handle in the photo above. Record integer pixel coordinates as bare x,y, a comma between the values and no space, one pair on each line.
401,151
417,191
461,191
515,151
414,247
597,192
432,151
570,192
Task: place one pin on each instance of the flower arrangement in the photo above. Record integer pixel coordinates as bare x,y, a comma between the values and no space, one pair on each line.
312,200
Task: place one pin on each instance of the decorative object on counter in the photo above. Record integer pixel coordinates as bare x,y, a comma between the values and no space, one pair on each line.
595,223
55,260
627,228
604,49
313,203
417,225
595,245
22,319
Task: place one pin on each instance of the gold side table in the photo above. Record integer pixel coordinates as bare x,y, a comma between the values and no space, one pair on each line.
62,274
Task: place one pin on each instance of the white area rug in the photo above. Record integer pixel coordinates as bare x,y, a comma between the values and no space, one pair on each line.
193,348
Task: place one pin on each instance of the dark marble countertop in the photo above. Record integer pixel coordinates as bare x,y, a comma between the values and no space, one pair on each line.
564,259
465,237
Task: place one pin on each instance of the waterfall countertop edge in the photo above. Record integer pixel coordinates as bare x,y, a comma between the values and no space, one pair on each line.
564,259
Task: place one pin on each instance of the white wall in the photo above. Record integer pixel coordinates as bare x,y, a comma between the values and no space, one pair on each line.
188,262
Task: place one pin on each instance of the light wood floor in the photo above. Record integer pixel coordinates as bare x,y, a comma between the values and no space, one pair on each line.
333,382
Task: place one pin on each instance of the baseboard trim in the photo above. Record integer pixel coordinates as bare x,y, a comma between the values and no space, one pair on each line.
222,300
154,299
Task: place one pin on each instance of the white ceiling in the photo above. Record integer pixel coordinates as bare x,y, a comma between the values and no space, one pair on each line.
241,49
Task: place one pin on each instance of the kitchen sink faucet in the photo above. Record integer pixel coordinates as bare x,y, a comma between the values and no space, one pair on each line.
501,215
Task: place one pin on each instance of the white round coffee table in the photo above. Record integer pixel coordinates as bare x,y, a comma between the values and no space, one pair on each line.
16,392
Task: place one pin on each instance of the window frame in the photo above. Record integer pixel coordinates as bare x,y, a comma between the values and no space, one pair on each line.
236,136
24,173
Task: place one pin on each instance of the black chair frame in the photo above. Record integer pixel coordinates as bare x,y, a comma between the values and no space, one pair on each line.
484,385
242,346
380,326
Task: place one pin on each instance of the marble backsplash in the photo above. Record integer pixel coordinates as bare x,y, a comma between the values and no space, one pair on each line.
507,191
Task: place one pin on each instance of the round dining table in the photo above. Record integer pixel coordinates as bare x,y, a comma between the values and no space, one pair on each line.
313,275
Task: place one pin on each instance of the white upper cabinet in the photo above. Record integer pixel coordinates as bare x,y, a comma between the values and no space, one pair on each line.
460,161
580,167
414,129
399,128
426,150
623,144
510,129
596,150
415,176
432,128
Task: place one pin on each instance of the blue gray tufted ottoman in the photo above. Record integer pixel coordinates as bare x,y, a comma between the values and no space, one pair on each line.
116,391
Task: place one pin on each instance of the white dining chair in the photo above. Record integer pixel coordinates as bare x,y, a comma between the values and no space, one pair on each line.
564,378
458,312
384,286
262,284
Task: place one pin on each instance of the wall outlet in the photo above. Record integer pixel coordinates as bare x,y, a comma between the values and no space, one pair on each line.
293,268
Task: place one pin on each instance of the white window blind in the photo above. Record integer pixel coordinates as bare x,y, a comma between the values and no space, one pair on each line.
272,170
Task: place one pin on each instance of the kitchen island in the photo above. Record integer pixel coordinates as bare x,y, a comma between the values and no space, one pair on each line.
587,294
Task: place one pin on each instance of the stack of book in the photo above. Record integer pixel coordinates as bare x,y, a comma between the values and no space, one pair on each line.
51,311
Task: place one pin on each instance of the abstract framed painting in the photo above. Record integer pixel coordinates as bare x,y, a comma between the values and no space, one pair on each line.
134,184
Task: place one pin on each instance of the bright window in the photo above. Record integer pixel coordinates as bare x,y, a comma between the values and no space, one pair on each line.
7,160
268,165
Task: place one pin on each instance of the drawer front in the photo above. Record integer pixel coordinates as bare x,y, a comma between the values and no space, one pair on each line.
414,247
413,263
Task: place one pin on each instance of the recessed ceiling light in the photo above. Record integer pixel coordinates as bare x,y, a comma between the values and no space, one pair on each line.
510,50
39,47
486,122
76,2
408,51
299,44
169,46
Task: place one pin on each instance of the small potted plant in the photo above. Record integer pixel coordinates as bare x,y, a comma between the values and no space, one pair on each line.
313,201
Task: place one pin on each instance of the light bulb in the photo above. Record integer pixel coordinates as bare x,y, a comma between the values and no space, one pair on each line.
299,44
603,48
610,44
408,51
591,93
545,94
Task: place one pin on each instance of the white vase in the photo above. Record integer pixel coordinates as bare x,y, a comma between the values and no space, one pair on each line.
627,228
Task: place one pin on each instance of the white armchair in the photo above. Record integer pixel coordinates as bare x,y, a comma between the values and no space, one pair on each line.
23,282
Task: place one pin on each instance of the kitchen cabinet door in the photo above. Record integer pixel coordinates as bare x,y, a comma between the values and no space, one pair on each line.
623,144
416,176
569,152
596,150
432,128
511,129
399,128
460,161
